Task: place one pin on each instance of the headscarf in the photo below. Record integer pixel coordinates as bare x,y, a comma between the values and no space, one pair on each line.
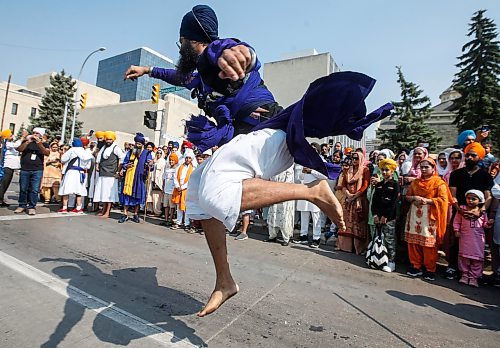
387,152
442,171
477,193
77,143
99,134
462,137
410,166
358,176
389,163
449,168
109,135
6,133
139,138
39,130
477,148
200,24
190,153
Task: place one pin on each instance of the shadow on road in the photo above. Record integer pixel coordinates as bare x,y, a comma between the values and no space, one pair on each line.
486,318
134,290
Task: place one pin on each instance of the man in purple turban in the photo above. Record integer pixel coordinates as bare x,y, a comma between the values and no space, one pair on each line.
265,140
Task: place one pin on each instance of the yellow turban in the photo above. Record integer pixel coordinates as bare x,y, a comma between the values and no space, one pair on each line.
109,135
99,134
6,133
389,163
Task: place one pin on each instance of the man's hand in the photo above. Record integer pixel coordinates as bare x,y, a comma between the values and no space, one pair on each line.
136,71
234,62
383,220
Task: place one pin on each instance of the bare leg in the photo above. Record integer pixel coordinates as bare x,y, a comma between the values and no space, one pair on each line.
225,287
258,193
245,222
106,209
65,200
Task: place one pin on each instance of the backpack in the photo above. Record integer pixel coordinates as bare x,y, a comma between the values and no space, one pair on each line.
376,255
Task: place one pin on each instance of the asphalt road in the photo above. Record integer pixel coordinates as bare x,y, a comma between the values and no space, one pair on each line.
83,281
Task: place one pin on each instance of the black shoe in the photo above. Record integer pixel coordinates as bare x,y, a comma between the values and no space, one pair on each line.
413,272
315,243
123,219
451,273
283,243
4,205
271,240
301,240
136,219
429,276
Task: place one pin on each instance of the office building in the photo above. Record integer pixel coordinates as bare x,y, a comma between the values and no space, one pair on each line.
111,71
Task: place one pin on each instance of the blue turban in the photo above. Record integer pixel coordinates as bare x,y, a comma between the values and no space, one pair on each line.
139,138
77,143
200,24
175,144
464,135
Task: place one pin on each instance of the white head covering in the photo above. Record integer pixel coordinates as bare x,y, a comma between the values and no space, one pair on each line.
477,193
208,152
39,130
442,171
388,153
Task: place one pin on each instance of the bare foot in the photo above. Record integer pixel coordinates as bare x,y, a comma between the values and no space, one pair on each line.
218,297
323,197
99,213
103,216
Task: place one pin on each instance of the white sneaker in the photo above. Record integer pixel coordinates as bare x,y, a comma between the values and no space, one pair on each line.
392,266
387,269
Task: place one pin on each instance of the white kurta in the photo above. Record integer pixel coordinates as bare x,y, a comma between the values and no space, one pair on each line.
71,182
106,188
215,187
303,205
281,216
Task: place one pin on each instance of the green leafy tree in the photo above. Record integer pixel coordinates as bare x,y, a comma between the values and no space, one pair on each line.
409,115
477,79
61,89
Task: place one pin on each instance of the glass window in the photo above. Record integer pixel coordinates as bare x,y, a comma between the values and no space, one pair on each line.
14,109
33,112
12,127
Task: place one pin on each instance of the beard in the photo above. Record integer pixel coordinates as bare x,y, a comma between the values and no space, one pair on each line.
137,150
470,164
187,60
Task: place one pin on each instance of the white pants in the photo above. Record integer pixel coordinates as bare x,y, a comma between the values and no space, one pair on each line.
304,223
215,187
180,215
273,233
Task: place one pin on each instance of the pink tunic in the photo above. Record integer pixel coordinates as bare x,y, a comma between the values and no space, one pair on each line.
471,243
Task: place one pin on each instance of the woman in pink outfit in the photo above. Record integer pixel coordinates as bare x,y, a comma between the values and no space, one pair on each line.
471,233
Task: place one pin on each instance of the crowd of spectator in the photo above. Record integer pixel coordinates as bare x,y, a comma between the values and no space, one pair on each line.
411,202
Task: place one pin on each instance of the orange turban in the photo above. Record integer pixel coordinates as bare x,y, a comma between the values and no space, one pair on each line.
99,134
347,150
6,133
109,135
477,148
174,157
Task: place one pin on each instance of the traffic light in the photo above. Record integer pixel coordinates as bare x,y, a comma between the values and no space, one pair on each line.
83,100
155,94
150,119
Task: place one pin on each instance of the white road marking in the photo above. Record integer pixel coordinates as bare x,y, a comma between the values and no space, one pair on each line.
85,299
25,216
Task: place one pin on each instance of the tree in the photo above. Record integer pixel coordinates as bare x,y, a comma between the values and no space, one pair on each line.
410,114
477,80
61,89
19,133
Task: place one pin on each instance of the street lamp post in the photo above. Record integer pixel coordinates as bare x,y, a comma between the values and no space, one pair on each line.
76,94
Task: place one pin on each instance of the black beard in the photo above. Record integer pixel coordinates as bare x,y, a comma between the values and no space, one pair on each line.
187,60
470,164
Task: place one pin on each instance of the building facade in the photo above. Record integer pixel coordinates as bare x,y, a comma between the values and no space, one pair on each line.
20,105
289,78
111,70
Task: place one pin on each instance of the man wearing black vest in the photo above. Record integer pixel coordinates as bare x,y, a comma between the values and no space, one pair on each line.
108,164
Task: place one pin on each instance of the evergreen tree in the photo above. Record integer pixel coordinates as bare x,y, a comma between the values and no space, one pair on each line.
409,114
477,80
19,133
61,89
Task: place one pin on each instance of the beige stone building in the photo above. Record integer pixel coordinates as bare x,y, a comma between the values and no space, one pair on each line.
21,104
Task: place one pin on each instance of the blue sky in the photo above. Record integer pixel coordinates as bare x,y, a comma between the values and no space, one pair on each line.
371,36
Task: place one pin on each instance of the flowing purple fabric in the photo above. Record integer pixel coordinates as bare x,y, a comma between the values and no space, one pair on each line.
138,187
332,105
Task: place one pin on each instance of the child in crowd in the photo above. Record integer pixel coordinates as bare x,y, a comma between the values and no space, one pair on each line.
168,189
471,234
383,208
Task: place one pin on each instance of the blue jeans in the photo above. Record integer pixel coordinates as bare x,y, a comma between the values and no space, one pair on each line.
29,187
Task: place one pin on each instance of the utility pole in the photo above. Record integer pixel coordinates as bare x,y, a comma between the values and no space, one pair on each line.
5,101
65,117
